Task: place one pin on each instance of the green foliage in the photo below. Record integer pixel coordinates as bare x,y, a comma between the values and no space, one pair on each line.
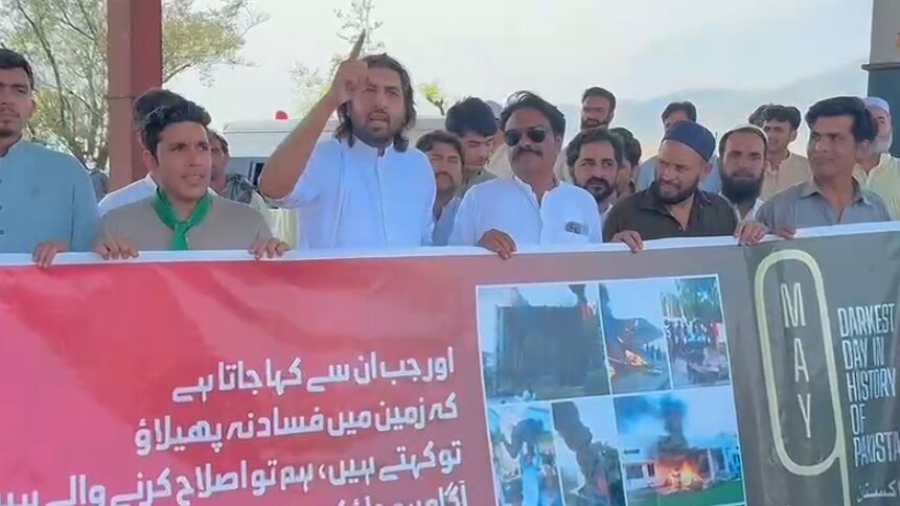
66,42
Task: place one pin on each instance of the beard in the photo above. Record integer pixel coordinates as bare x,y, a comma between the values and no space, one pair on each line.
587,124
741,189
378,136
677,198
600,189
883,145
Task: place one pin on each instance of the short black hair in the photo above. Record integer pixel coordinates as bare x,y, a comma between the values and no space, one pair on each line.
683,106
384,61
471,115
160,119
426,142
151,100
531,100
756,118
782,114
746,129
10,60
864,127
590,136
596,91
222,140
633,151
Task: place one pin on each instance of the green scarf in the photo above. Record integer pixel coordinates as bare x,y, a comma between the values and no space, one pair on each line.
180,228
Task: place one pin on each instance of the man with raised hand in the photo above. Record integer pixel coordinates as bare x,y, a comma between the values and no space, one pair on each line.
364,188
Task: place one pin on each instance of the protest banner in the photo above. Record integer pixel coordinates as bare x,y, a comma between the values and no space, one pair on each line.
701,374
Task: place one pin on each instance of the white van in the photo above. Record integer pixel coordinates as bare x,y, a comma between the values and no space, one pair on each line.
251,142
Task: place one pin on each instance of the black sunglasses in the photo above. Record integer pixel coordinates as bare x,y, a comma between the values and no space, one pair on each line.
535,134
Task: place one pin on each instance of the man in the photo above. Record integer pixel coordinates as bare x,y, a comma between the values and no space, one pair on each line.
473,122
878,171
631,161
363,188
594,157
47,202
532,206
145,104
598,108
446,154
674,205
674,113
841,132
235,186
742,155
183,214
785,169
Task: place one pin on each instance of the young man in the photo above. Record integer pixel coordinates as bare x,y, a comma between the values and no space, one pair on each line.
149,101
631,161
598,108
47,202
532,206
594,157
364,188
472,120
182,214
446,153
677,112
674,205
785,168
841,132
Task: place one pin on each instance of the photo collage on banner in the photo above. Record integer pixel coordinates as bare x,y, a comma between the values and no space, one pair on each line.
610,393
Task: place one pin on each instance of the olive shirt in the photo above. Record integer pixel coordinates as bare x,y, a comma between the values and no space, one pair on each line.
711,216
228,226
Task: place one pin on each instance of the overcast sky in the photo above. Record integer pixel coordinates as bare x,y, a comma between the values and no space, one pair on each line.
637,48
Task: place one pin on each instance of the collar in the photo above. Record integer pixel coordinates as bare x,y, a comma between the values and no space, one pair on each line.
647,199
19,145
811,188
149,180
360,147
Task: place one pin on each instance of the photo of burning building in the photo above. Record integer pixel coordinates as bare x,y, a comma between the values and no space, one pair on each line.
524,456
586,443
680,448
695,330
541,342
636,345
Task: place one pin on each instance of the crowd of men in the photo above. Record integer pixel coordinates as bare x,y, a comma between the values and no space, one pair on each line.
499,178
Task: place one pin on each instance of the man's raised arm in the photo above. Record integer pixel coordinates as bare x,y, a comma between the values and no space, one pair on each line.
284,168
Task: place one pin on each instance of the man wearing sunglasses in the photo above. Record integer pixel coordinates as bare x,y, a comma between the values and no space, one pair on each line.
531,206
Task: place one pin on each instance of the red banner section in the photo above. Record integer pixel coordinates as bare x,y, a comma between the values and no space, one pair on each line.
311,383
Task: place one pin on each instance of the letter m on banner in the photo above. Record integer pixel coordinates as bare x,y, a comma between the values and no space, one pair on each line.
792,305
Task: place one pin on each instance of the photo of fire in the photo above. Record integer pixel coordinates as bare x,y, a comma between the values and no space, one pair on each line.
541,342
677,451
636,346
524,455
586,443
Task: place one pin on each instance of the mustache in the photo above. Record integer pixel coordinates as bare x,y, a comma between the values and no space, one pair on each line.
9,111
597,181
526,149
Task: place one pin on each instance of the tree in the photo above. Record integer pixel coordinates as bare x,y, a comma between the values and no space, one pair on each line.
312,82
65,40
435,96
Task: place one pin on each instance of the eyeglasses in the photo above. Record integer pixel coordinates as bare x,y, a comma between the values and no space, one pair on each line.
535,134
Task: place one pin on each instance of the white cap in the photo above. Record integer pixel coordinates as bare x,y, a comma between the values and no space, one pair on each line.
879,103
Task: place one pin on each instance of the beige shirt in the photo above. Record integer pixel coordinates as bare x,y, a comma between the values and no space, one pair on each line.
884,181
228,226
792,171
500,167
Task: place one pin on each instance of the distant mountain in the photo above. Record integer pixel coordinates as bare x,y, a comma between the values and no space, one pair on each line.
720,110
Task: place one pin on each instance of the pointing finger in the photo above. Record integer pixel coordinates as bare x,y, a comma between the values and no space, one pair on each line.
357,46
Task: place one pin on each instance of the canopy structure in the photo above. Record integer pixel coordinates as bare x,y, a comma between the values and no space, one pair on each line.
135,65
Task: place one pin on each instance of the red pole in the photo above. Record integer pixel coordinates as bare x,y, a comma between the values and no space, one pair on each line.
135,65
